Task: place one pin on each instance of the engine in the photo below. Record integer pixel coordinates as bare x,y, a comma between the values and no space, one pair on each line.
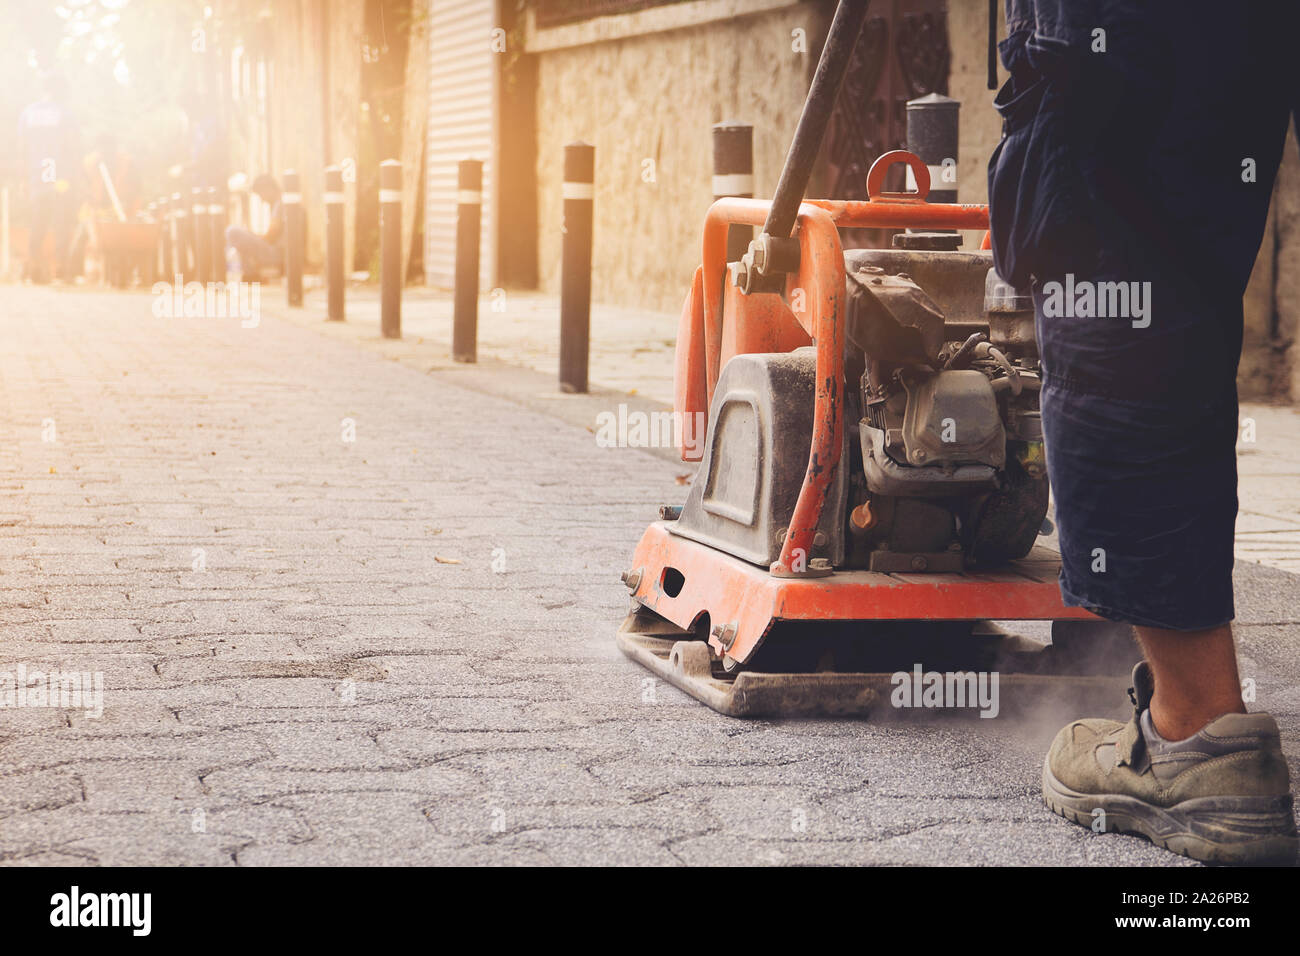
948,469
942,466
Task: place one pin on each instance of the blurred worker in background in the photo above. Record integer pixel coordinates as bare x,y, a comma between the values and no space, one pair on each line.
105,164
120,169
48,144
256,252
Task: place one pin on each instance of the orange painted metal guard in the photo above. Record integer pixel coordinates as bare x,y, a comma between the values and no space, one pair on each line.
729,591
821,282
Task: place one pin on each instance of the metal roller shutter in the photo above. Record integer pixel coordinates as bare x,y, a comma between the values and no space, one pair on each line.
462,119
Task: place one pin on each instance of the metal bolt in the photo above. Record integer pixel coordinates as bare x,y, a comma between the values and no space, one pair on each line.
819,539
819,564
919,455
742,273
919,563
631,578
725,633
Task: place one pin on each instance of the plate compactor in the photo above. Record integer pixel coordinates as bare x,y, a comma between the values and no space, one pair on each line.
871,484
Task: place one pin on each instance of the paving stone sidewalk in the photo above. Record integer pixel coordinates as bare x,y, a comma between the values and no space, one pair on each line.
632,359
399,648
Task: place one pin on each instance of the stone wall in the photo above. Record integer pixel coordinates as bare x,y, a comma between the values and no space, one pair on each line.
1286,287
979,126
646,103
1271,353
645,88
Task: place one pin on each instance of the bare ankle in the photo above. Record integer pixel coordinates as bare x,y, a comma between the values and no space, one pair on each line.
1195,677
1180,721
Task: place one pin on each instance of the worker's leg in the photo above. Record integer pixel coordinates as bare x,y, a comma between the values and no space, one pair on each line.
1146,506
1195,675
1146,502
77,255
254,252
42,212
64,225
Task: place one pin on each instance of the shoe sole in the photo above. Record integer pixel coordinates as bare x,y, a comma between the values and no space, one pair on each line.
1234,831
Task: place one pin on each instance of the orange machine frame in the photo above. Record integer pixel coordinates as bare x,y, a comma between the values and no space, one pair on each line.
747,599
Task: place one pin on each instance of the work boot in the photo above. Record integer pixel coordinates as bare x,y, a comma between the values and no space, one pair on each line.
1223,795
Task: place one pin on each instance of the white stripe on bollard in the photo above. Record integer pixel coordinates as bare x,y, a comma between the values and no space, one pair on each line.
333,198
469,197
578,191
216,210
4,233
733,184
291,198
390,195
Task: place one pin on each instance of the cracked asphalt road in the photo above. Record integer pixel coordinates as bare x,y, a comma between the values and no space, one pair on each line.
399,648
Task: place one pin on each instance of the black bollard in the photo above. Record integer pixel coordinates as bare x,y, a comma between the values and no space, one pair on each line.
202,235
932,136
180,239
165,226
469,207
334,212
291,205
390,249
575,266
217,222
733,175
155,261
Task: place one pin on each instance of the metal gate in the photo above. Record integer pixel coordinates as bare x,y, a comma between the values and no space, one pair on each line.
462,125
902,54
